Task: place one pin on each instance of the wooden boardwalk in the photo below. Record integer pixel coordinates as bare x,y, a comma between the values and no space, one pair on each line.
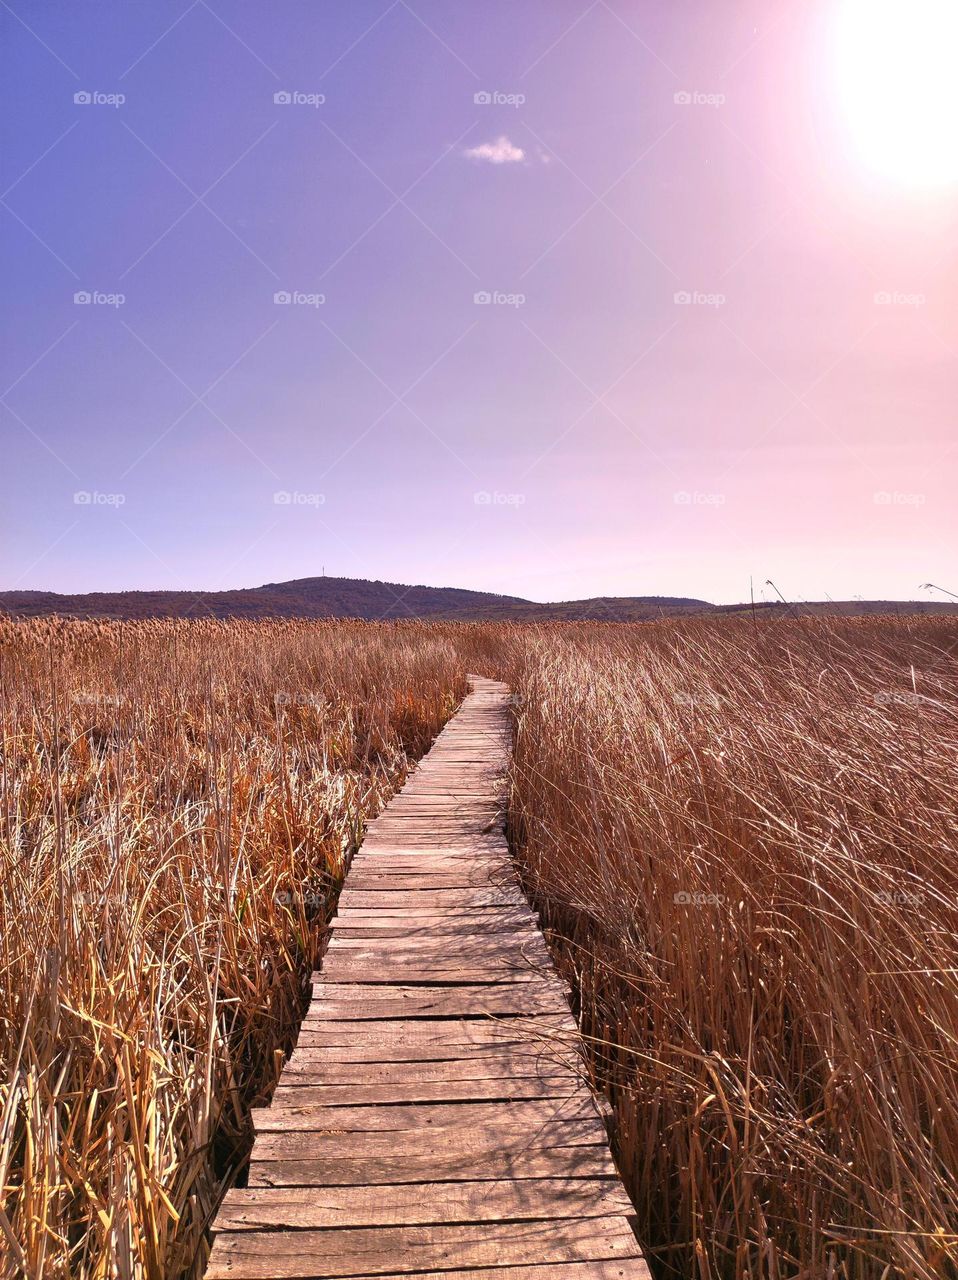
435,1116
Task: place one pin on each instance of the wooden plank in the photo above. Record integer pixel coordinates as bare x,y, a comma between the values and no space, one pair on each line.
496,1138
451,791
415,968
416,904
389,881
488,825
360,965
516,985
441,1040
418,922
455,933
413,971
406,1116
337,1001
480,916
508,915
312,1066
483,871
383,973
334,1170
436,859
412,816
453,806
527,941
297,1091
472,1032
443,846
424,859
254,1208
390,1054
403,953
310,1254
614,1269
526,947
415,879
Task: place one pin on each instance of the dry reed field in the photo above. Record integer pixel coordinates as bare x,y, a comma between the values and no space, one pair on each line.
177,803
745,840
741,836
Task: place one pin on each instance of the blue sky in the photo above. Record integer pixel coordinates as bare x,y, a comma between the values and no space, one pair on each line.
585,431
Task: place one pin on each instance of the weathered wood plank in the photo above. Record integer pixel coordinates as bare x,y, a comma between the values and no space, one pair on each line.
423,860
388,931
615,1269
389,1206
499,1137
482,916
407,879
337,1001
334,1170
455,932
406,1116
310,1254
528,948
295,1091
536,1029
312,1066
389,972
424,899
399,1041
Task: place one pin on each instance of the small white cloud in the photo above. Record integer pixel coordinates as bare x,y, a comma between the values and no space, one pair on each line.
502,151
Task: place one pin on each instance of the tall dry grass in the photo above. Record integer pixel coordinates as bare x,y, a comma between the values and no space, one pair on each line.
176,804
744,838
741,836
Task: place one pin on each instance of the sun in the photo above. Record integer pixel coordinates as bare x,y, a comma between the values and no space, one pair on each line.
896,64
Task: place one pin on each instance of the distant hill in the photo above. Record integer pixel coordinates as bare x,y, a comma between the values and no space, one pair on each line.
335,598
360,598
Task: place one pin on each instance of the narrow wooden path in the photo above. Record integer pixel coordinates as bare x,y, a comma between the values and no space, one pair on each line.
435,1117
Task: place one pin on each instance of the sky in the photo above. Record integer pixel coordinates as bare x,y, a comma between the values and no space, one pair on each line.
557,299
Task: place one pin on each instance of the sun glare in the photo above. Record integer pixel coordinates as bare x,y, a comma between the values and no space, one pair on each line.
896,68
